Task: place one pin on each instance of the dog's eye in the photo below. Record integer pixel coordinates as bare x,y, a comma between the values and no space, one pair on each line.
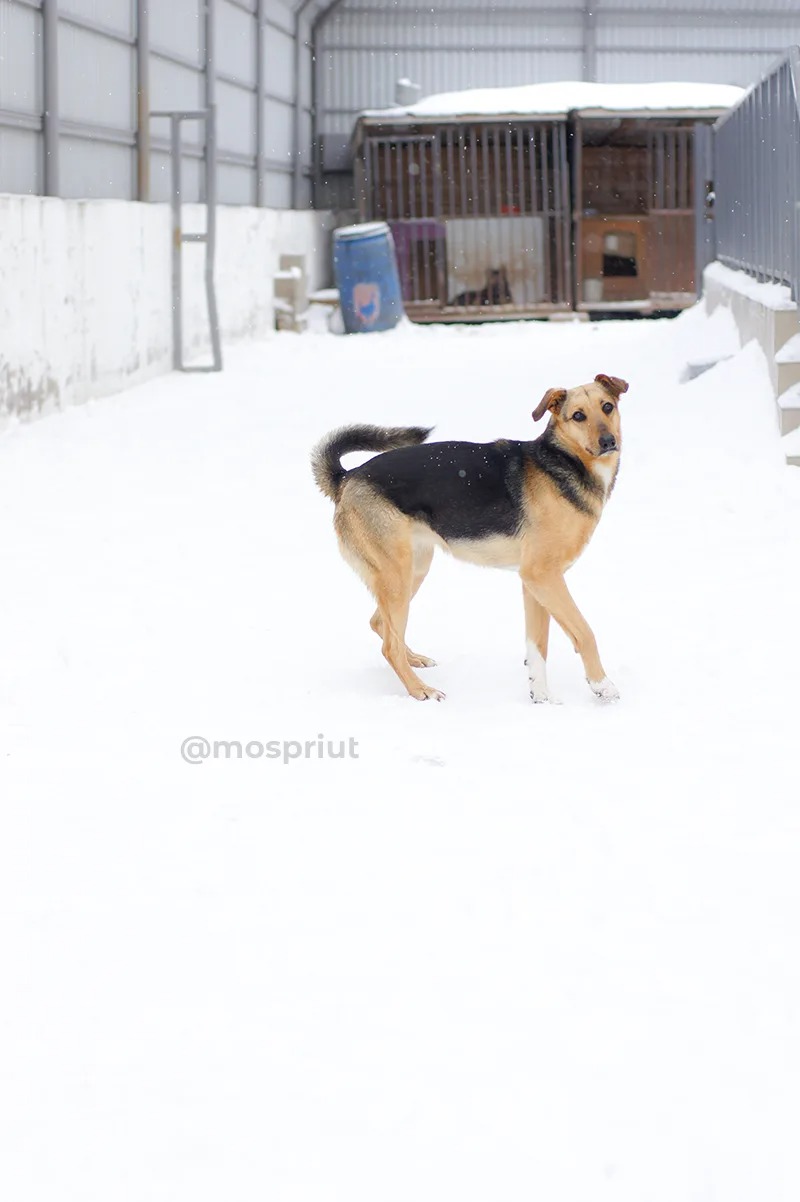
608,407
578,416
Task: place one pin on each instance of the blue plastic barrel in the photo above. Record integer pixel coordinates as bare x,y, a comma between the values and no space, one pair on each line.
365,267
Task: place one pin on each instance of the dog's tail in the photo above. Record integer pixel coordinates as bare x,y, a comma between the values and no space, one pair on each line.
326,460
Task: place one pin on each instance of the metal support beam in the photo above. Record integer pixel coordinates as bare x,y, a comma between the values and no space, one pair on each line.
211,178
316,135
589,42
703,177
142,100
261,87
210,84
177,242
50,123
297,121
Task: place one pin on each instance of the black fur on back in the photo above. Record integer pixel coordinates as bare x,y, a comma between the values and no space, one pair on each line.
469,490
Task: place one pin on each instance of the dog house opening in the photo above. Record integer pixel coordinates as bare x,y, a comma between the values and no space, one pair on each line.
619,256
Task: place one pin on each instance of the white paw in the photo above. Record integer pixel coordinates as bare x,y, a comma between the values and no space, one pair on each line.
537,676
605,689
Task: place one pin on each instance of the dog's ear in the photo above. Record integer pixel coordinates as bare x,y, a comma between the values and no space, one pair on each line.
612,384
553,399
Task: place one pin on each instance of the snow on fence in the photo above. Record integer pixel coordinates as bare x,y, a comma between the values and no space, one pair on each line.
757,178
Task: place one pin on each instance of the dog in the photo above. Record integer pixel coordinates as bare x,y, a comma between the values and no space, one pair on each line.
530,506
496,291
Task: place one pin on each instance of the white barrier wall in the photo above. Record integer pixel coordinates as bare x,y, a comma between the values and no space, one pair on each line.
85,293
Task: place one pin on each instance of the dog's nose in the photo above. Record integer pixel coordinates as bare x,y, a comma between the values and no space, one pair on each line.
607,442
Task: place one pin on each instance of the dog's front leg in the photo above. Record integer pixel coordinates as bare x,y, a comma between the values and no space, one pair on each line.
550,590
537,630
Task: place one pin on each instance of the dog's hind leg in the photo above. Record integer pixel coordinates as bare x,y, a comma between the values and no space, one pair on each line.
422,562
537,630
392,584
378,543
550,590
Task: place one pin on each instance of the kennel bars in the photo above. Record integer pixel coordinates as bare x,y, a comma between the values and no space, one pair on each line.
591,210
479,213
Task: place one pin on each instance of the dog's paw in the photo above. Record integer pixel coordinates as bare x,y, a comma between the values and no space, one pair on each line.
543,697
427,693
605,689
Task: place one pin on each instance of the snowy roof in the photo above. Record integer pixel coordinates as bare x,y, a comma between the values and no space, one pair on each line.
558,99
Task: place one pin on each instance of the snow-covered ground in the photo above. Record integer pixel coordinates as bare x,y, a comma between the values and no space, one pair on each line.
508,951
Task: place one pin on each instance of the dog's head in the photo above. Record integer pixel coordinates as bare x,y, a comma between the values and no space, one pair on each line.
586,418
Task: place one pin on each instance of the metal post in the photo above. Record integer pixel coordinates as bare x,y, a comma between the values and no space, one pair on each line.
50,121
297,116
589,41
261,125
316,136
703,149
319,21
316,140
211,179
211,236
142,100
210,81
177,242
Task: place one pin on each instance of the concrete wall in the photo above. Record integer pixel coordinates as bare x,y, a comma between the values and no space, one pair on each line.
85,302
767,313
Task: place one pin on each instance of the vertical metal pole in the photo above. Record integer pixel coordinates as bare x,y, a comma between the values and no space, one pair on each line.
552,241
50,120
211,179
577,220
177,243
261,87
142,100
211,236
297,175
438,207
210,86
589,64
317,151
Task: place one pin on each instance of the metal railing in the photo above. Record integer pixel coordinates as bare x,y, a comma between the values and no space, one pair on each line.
757,178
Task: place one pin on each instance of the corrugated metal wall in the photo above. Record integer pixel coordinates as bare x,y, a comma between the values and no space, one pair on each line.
94,73
365,46
21,97
710,41
86,52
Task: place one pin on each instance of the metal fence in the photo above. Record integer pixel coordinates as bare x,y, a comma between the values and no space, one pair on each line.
78,79
757,178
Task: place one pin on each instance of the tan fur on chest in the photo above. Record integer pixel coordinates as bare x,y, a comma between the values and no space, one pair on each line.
557,533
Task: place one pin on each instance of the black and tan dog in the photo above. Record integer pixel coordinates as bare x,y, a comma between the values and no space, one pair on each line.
531,506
